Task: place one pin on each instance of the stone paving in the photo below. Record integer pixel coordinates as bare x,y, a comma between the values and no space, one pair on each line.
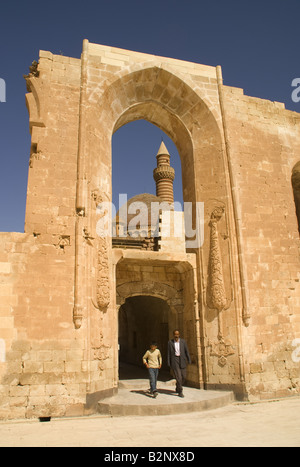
265,424
133,398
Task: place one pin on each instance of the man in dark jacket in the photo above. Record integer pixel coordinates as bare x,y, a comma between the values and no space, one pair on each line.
178,360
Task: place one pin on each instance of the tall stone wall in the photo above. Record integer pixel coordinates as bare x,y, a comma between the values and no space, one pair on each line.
49,367
59,321
53,104
44,368
264,141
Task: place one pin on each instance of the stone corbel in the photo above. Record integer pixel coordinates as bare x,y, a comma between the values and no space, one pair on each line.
77,316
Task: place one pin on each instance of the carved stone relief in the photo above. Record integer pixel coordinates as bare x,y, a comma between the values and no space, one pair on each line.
103,282
221,349
33,70
100,350
216,293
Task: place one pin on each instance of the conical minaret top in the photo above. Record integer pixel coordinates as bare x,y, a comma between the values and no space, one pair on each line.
164,175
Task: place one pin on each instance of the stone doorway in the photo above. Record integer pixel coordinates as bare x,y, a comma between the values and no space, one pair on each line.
142,319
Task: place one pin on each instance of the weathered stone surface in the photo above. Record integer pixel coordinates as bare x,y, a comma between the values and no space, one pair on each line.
236,298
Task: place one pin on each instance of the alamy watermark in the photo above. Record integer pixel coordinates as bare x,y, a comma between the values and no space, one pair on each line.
2,90
296,352
2,351
139,219
296,91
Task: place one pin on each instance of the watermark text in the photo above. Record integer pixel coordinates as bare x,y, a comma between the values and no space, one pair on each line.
2,351
141,219
296,353
296,91
2,90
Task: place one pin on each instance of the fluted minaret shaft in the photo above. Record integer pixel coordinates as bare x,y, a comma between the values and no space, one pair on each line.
164,175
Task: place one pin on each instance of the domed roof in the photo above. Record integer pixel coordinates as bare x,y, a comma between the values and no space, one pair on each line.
142,213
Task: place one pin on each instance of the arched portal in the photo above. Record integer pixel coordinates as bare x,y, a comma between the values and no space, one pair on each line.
154,296
142,319
189,113
167,101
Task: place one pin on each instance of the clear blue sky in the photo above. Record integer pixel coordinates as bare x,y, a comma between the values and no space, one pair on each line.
256,42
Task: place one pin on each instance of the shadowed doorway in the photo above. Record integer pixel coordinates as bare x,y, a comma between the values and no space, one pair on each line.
142,319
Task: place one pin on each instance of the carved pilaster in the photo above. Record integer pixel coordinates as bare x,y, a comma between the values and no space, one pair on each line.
216,295
103,279
78,310
103,285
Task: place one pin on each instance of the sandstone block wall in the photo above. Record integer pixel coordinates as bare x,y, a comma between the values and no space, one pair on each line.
240,298
264,143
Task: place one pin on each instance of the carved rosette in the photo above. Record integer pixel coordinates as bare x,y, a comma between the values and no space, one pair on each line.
216,295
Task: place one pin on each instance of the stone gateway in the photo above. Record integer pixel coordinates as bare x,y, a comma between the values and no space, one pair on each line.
73,302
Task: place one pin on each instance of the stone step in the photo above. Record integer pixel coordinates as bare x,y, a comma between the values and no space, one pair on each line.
144,384
136,401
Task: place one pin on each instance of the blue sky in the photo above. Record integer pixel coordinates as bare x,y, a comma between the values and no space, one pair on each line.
256,43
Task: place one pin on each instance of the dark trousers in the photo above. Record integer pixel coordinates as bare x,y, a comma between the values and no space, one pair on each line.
180,375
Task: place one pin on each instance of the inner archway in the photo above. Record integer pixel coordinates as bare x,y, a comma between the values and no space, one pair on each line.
142,319
134,149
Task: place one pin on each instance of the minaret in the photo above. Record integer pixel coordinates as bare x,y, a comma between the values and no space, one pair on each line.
164,175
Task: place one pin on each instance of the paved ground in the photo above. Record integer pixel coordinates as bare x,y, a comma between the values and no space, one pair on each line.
267,424
133,398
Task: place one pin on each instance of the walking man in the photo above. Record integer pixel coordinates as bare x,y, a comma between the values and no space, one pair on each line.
178,360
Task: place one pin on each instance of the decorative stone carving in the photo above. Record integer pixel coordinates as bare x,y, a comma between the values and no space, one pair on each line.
103,282
78,310
63,241
162,172
156,289
222,349
101,354
34,156
103,286
216,295
100,349
33,70
77,316
87,236
97,196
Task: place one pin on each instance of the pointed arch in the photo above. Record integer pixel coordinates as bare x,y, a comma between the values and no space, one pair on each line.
165,100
